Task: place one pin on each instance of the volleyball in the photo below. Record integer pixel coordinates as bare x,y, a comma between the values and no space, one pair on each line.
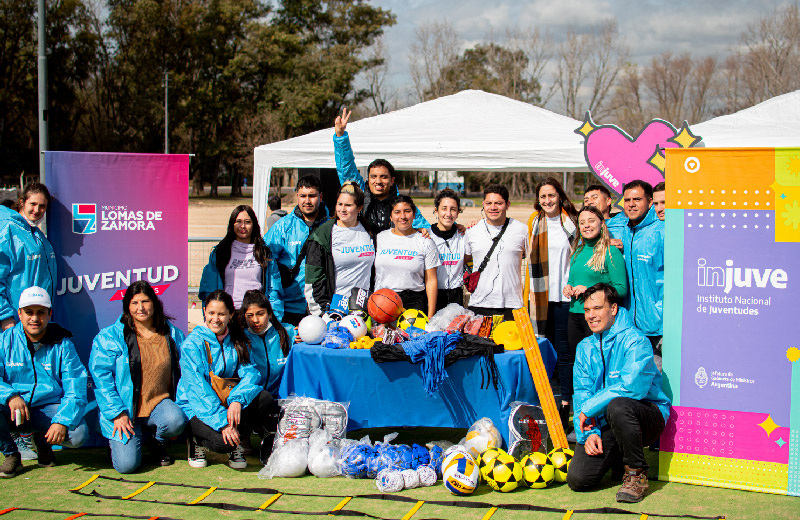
412,318
561,457
537,470
503,473
312,329
460,474
384,306
355,324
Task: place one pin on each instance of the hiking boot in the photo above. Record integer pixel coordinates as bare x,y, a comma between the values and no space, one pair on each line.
197,454
47,458
24,442
634,486
11,465
266,448
237,459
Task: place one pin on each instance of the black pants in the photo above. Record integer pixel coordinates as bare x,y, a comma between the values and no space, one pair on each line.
444,297
293,318
260,416
577,330
415,300
632,425
508,314
556,333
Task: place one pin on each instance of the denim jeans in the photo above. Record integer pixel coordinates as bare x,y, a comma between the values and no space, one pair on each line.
165,421
40,421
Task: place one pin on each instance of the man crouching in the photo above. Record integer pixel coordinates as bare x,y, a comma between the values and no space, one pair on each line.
619,404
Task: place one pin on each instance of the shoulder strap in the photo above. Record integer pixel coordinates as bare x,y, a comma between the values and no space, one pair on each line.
208,353
495,240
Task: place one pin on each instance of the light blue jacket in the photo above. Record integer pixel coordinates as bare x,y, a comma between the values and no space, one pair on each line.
115,388
26,260
267,356
285,239
347,170
196,397
211,281
53,374
616,363
644,261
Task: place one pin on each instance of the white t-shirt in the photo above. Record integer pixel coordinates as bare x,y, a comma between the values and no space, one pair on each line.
500,285
401,261
242,273
450,274
557,258
353,255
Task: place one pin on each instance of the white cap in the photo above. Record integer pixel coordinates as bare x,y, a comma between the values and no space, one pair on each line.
34,296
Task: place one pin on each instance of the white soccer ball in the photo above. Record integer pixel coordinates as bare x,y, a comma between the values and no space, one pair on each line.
312,329
354,324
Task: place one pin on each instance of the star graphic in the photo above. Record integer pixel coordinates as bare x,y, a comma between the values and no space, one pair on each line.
685,138
588,125
780,442
657,160
769,425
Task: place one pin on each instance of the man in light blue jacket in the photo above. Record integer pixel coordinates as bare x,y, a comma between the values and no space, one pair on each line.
42,384
619,404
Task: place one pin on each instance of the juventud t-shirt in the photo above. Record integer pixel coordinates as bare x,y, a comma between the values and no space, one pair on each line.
242,273
353,254
451,254
500,285
401,261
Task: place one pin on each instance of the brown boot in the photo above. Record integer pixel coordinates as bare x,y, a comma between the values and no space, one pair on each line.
11,465
634,485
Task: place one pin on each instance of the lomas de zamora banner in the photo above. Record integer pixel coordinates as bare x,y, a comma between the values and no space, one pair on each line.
731,358
115,219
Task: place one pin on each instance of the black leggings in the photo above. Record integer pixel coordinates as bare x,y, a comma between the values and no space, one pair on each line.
556,333
415,300
447,296
261,415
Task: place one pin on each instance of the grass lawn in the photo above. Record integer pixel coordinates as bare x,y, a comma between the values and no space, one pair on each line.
48,488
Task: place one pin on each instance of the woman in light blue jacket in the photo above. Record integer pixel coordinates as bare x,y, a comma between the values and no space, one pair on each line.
26,257
222,348
135,368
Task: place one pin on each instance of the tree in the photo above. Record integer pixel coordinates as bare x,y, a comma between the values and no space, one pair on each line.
436,45
380,96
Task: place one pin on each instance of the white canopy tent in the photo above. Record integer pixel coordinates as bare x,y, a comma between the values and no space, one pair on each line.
468,131
772,123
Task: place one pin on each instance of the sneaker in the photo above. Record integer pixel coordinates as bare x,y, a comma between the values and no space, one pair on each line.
24,444
159,452
237,459
634,486
46,457
266,448
197,454
11,465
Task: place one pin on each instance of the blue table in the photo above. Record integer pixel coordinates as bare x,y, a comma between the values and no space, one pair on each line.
391,394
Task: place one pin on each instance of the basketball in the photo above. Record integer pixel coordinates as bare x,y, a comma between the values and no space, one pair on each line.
384,306
412,318
460,474
503,473
537,470
561,457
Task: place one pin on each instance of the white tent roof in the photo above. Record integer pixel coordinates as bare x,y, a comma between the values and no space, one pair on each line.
772,123
469,131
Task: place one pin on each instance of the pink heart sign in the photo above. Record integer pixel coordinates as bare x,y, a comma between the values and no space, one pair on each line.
616,158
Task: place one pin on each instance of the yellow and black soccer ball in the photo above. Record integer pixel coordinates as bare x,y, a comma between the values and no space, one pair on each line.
503,473
486,457
412,318
561,457
538,470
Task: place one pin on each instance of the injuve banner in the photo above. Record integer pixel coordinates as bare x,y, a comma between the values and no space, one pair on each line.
732,280
115,219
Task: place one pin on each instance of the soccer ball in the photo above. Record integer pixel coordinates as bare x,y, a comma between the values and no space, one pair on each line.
460,474
486,457
537,470
412,318
561,457
503,473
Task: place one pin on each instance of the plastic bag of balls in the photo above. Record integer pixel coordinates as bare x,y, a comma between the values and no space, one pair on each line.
337,337
392,480
442,319
323,455
289,460
354,458
482,435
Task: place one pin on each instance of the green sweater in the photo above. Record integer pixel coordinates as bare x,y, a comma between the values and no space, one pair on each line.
582,274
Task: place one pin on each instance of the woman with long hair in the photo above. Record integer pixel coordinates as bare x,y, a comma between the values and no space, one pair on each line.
26,257
220,349
406,262
340,253
135,367
552,230
451,245
241,262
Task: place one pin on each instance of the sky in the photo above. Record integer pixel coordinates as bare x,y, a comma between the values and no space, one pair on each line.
703,28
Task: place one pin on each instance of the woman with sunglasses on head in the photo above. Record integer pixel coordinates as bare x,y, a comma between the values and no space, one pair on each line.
215,360
241,262
451,245
135,368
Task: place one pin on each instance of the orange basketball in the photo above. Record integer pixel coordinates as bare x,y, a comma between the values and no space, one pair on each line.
384,306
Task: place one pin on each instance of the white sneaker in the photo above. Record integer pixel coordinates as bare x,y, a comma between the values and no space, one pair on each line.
237,459
197,455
